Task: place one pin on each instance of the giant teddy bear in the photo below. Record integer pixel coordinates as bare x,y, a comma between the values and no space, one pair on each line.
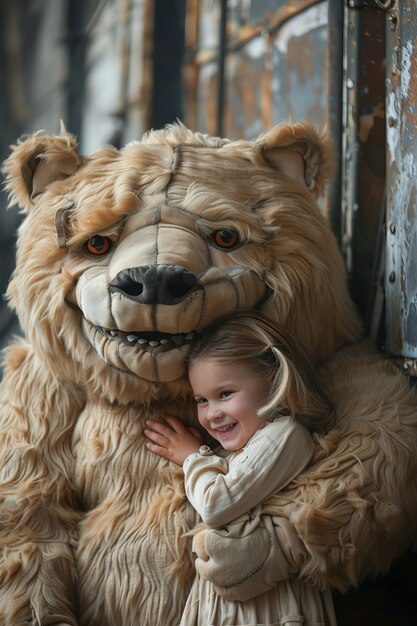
122,257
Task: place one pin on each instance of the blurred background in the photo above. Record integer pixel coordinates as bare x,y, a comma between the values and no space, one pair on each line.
113,69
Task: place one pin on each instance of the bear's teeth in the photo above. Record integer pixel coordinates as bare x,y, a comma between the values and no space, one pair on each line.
178,340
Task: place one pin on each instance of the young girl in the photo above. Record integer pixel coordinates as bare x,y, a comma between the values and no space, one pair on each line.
256,396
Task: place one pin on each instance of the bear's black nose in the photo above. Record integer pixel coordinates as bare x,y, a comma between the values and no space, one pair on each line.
155,284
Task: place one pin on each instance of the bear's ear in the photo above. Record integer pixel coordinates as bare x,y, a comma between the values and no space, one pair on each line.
299,152
38,161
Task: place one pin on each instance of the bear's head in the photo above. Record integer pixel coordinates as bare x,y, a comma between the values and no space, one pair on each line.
124,255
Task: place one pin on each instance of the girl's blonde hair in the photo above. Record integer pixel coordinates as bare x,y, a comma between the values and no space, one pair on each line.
276,357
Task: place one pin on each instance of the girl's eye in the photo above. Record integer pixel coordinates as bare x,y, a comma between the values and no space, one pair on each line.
201,401
226,394
225,238
98,245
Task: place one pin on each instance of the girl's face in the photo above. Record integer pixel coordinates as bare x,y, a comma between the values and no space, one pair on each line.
228,396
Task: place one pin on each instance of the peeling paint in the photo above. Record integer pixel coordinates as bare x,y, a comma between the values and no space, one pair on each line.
405,69
298,52
315,17
408,168
392,131
255,96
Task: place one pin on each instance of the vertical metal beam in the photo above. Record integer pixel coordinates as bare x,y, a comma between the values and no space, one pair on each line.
335,110
76,40
363,158
168,58
221,87
350,145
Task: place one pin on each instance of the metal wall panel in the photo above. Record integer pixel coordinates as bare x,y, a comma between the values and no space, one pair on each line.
401,242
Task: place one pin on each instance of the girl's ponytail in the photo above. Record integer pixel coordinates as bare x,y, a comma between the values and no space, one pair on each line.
293,391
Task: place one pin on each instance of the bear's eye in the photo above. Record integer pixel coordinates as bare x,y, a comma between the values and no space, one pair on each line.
225,238
98,245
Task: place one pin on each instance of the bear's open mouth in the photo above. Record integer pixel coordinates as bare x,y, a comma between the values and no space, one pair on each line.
145,339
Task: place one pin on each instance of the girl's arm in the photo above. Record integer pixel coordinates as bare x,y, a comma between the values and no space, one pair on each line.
274,456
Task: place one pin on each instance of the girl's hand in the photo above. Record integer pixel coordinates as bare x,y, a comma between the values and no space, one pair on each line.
172,440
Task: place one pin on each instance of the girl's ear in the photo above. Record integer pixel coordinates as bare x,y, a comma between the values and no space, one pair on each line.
36,162
299,152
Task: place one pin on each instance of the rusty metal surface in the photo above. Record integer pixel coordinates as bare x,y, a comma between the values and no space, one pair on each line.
273,50
299,59
281,73
246,96
401,242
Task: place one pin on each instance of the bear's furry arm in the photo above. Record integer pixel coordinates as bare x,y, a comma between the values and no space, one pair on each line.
352,511
38,524
248,557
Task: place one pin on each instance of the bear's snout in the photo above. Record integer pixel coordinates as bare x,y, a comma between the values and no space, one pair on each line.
155,284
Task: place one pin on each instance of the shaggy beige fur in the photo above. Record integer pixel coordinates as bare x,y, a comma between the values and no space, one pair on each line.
123,255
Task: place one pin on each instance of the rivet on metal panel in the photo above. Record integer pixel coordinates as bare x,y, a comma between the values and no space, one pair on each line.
391,277
349,83
392,122
392,229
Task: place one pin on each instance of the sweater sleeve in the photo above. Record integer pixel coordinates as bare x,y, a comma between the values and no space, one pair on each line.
222,491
